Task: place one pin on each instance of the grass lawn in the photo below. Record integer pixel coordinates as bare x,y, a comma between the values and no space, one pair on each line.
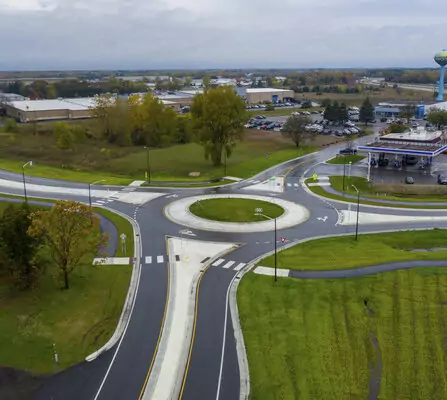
316,339
96,160
345,160
344,252
78,320
235,210
367,189
321,192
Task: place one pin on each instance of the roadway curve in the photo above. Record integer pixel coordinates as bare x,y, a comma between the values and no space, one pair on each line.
121,372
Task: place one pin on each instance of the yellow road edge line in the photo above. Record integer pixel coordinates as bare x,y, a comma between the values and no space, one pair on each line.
161,328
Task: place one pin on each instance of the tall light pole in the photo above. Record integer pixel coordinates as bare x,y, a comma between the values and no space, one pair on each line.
258,211
148,164
90,192
344,171
30,163
358,209
225,163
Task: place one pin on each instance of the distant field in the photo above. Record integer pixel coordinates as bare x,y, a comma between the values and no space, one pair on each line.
376,337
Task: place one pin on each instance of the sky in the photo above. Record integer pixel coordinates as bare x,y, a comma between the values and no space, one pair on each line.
177,34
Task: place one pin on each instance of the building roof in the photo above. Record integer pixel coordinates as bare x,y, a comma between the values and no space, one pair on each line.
267,90
415,135
54,104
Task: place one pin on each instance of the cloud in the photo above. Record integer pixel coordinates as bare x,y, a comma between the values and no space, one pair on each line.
150,34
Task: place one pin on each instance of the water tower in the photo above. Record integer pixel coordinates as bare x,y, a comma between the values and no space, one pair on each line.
441,59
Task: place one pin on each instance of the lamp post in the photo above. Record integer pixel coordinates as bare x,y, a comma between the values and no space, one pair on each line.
30,163
90,191
258,211
344,171
148,164
358,209
225,163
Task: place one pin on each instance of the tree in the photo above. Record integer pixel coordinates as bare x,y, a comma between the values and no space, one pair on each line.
219,116
295,129
437,117
366,112
63,135
70,231
18,249
342,113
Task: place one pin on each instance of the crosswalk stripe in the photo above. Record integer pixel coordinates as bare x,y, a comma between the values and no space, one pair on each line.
295,184
239,266
289,184
228,264
159,259
100,201
218,262
256,181
148,260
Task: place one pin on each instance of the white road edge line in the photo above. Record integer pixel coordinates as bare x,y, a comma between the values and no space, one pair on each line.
224,337
98,393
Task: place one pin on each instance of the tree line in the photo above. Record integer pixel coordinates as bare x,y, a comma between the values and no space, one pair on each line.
32,241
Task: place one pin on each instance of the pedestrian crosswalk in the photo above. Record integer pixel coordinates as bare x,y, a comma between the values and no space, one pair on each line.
155,260
228,264
253,181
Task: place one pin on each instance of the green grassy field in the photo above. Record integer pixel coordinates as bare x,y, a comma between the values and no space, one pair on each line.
345,160
78,320
345,252
316,339
92,161
321,192
235,210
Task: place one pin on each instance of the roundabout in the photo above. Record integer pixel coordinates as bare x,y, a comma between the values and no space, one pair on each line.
185,212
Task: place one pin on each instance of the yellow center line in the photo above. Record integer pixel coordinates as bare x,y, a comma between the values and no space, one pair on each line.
161,329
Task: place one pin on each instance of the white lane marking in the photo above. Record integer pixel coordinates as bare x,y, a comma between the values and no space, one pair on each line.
159,259
295,184
218,262
224,338
289,184
148,260
100,201
239,267
256,182
228,264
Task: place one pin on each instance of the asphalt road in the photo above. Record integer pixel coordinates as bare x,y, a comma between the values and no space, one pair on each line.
120,373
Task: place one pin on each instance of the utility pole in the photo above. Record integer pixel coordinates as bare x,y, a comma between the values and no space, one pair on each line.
148,164
358,211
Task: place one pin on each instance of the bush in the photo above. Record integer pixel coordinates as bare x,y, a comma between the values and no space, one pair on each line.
10,125
270,107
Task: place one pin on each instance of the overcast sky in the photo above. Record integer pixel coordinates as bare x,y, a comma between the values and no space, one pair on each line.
149,34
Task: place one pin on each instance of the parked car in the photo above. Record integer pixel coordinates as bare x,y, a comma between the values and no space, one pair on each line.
348,151
409,180
442,178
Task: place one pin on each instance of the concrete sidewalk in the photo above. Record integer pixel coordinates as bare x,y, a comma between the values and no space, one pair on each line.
349,218
178,212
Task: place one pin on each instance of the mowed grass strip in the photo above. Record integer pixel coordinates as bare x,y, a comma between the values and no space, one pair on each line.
371,249
78,321
345,160
312,339
235,210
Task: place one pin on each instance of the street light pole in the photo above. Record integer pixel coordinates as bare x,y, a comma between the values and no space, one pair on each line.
358,210
276,245
148,164
30,163
344,171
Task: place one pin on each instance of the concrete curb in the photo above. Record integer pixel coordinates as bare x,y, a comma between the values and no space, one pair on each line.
130,298
179,369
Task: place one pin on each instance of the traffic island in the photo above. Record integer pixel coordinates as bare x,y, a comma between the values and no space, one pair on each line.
258,214
235,210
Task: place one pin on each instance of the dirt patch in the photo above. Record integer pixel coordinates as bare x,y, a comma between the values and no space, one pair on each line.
18,385
375,371
426,250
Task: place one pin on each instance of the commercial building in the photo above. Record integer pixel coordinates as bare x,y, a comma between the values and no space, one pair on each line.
424,144
44,110
265,95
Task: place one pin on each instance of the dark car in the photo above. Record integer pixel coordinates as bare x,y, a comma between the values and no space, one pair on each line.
442,178
348,151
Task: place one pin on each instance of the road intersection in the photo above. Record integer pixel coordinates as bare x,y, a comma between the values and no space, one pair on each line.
211,366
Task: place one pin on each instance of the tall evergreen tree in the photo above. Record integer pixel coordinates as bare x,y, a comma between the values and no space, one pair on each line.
366,112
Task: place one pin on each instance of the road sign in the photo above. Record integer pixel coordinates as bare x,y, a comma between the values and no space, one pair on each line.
315,177
123,238
283,239
258,210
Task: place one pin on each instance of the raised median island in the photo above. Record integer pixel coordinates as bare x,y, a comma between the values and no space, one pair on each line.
235,210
